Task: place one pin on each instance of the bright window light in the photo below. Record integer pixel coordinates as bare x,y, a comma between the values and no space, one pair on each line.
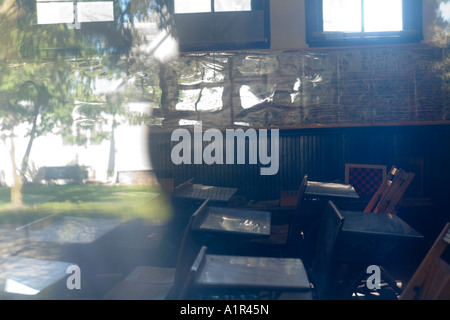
189,6
195,6
342,15
13,286
383,15
346,15
95,11
232,5
444,9
248,98
55,12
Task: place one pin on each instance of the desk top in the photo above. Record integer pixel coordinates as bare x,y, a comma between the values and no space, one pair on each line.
379,224
29,276
253,272
330,190
202,192
240,221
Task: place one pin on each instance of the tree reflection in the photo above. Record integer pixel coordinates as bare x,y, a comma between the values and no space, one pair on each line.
31,103
50,77
440,37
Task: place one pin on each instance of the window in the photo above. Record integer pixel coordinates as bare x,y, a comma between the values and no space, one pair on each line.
354,22
210,25
186,6
64,11
189,6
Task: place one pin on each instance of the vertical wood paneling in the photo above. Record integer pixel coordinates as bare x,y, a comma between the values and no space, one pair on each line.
322,154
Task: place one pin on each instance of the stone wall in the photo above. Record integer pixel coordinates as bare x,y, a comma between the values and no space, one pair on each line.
345,86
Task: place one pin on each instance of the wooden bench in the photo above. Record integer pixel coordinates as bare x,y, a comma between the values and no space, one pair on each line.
75,173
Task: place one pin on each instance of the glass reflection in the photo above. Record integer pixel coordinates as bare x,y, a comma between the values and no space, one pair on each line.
248,99
187,6
384,15
346,15
54,12
95,11
74,117
444,9
232,5
77,104
336,15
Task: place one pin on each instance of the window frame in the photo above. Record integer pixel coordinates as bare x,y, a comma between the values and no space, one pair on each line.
315,36
257,20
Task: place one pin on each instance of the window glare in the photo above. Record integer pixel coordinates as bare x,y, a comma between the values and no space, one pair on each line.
342,15
55,12
232,5
383,15
189,6
444,9
379,15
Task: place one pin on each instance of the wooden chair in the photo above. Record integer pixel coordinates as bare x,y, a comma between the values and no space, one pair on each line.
287,232
431,281
296,224
289,229
160,283
184,185
187,285
382,190
391,191
186,255
322,261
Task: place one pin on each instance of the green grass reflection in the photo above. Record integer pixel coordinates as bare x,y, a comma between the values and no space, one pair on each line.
121,202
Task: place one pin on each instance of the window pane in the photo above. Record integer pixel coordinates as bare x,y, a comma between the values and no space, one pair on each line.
342,15
95,11
232,5
444,10
383,15
54,12
190,6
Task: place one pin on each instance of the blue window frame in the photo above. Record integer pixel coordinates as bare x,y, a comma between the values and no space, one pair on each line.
360,23
213,25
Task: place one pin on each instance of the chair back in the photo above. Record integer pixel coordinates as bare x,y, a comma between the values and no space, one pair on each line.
390,202
187,253
295,227
382,190
194,269
391,191
184,185
329,230
431,281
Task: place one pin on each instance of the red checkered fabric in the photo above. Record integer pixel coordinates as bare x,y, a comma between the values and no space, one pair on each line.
366,181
